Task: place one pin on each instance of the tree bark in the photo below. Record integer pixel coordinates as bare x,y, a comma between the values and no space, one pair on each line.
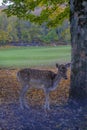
78,20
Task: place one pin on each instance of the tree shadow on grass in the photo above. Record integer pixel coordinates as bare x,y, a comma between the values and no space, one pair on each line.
66,117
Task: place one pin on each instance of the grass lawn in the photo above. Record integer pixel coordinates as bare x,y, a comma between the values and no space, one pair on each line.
34,56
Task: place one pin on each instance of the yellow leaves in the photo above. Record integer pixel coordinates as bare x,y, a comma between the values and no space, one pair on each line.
3,35
8,86
58,10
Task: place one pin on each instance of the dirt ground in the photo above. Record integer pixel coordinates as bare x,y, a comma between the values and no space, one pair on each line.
62,116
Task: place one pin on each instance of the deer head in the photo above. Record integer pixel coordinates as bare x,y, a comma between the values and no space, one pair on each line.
62,69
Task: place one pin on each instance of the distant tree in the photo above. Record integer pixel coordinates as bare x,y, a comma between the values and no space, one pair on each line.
63,32
3,37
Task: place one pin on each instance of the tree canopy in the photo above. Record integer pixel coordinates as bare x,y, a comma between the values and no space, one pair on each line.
52,12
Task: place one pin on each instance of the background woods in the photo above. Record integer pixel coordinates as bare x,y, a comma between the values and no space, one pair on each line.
14,31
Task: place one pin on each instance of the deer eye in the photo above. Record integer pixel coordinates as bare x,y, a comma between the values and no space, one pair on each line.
63,68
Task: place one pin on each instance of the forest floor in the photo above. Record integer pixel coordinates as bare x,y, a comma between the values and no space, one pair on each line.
62,116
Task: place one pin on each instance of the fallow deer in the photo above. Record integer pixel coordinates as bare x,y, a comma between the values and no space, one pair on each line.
42,79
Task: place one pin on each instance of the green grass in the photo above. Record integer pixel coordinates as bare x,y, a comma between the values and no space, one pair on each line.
34,56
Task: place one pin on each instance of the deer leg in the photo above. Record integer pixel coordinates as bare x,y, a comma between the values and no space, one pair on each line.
22,96
47,105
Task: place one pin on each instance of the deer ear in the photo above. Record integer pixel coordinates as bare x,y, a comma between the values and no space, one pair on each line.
68,65
57,65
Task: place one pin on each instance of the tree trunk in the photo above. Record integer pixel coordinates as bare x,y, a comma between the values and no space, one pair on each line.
78,20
